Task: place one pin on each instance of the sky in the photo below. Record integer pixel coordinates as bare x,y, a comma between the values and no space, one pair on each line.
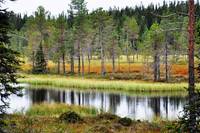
57,6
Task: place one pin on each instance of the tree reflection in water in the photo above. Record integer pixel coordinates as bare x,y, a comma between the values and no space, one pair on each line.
136,107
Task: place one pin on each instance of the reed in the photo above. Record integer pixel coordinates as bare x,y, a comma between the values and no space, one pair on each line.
100,84
45,109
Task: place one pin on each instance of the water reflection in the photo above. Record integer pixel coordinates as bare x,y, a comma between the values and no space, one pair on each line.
136,107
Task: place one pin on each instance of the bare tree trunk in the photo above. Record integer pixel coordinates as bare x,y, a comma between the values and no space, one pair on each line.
127,55
79,58
158,67
102,61
72,63
89,63
155,68
129,65
133,58
33,59
113,64
166,63
119,63
89,59
156,63
83,65
63,58
102,53
193,126
58,69
113,58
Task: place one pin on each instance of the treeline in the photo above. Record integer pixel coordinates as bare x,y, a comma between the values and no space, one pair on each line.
157,33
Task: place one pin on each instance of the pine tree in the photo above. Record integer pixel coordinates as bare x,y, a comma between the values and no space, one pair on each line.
40,62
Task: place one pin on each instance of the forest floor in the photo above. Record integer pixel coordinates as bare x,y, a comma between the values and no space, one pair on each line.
47,119
123,71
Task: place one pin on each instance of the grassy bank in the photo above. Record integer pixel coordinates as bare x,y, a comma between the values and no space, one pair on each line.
100,84
38,124
57,109
46,118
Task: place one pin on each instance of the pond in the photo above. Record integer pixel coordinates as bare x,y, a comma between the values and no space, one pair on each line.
143,107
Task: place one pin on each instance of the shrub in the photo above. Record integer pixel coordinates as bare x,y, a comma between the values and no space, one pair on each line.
70,117
107,116
125,121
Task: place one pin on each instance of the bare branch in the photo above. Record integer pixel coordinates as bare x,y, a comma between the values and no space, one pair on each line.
161,16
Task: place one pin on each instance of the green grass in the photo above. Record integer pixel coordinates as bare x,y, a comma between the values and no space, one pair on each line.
57,109
100,84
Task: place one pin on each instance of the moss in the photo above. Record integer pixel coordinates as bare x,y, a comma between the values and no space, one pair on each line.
70,117
107,116
100,129
125,121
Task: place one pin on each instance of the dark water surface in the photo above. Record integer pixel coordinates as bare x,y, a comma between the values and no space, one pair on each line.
145,107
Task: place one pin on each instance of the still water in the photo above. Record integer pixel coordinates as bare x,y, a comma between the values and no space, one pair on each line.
145,107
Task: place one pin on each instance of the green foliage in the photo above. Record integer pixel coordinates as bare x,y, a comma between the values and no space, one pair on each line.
131,25
40,65
190,109
9,63
155,33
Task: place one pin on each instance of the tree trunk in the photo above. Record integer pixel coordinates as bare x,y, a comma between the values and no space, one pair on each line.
63,58
79,59
155,68
83,65
102,53
133,58
113,59
156,63
119,63
102,61
89,58
33,59
127,55
72,62
166,63
158,67
58,69
129,64
88,63
193,126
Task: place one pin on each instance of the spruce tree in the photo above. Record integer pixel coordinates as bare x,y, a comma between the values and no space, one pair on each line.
9,63
40,62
